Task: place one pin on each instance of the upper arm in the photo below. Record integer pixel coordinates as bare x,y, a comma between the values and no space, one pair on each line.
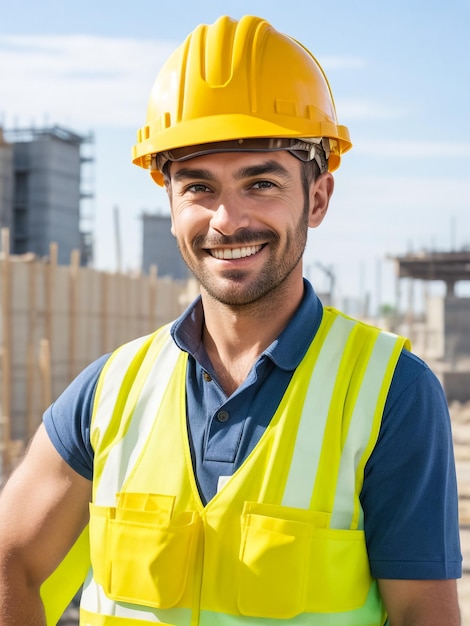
43,509
409,496
420,602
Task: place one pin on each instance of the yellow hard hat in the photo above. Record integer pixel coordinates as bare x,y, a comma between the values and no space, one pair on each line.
238,80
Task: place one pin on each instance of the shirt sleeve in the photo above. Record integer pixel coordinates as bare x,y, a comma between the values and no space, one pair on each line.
409,495
67,420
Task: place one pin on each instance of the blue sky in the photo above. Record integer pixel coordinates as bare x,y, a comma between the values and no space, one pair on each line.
399,72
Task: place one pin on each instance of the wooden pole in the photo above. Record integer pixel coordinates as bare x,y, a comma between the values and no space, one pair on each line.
142,300
30,355
45,369
73,294
152,313
6,352
104,313
50,280
117,237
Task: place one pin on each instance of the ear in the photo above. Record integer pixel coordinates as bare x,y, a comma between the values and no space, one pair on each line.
321,191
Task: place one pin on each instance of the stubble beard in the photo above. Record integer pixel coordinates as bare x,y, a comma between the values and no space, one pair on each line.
232,289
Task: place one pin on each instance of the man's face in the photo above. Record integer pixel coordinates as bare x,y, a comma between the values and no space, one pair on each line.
241,222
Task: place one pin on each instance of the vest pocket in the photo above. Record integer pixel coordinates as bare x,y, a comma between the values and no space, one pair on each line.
141,559
289,565
339,574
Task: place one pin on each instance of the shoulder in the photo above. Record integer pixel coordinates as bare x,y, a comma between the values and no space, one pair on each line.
410,367
416,416
415,392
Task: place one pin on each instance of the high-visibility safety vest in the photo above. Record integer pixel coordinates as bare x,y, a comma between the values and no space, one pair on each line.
283,538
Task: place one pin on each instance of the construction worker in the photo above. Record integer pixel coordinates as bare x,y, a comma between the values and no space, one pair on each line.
263,459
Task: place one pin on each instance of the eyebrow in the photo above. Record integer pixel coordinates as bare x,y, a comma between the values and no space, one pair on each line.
190,172
268,167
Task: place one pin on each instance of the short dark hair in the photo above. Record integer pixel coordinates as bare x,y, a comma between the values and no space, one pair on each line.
309,172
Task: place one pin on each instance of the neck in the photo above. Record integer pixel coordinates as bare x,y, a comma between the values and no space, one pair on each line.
235,336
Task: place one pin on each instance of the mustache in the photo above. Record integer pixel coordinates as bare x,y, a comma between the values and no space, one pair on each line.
242,238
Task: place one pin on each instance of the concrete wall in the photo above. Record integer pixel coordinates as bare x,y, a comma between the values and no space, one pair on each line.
456,386
447,328
433,341
457,328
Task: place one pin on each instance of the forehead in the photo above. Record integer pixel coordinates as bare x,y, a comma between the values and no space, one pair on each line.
236,165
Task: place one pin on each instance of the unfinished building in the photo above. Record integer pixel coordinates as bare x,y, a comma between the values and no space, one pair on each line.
41,191
443,336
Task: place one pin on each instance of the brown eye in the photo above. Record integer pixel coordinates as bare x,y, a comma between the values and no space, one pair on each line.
263,184
197,188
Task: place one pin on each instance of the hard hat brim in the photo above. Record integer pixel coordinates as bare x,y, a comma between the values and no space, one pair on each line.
228,127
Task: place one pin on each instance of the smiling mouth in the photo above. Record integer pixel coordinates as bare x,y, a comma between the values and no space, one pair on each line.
234,253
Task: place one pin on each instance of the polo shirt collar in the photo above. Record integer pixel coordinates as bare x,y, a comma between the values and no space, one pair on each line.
286,351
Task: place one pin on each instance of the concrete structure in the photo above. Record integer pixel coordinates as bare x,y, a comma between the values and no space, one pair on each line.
443,336
448,328
47,193
159,248
449,267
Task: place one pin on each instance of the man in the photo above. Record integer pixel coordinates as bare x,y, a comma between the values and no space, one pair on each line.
263,460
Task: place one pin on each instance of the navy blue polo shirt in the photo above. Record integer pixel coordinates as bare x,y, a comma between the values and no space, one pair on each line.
224,430
409,494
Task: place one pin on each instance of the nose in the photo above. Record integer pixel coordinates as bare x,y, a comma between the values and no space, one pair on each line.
229,215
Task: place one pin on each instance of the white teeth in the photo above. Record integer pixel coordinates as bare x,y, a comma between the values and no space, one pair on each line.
235,253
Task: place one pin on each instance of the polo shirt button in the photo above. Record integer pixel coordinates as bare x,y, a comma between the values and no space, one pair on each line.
207,377
222,416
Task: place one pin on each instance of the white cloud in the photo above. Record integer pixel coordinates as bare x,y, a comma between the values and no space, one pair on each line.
368,109
77,80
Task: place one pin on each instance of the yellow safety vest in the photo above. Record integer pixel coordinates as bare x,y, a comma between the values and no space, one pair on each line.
283,538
